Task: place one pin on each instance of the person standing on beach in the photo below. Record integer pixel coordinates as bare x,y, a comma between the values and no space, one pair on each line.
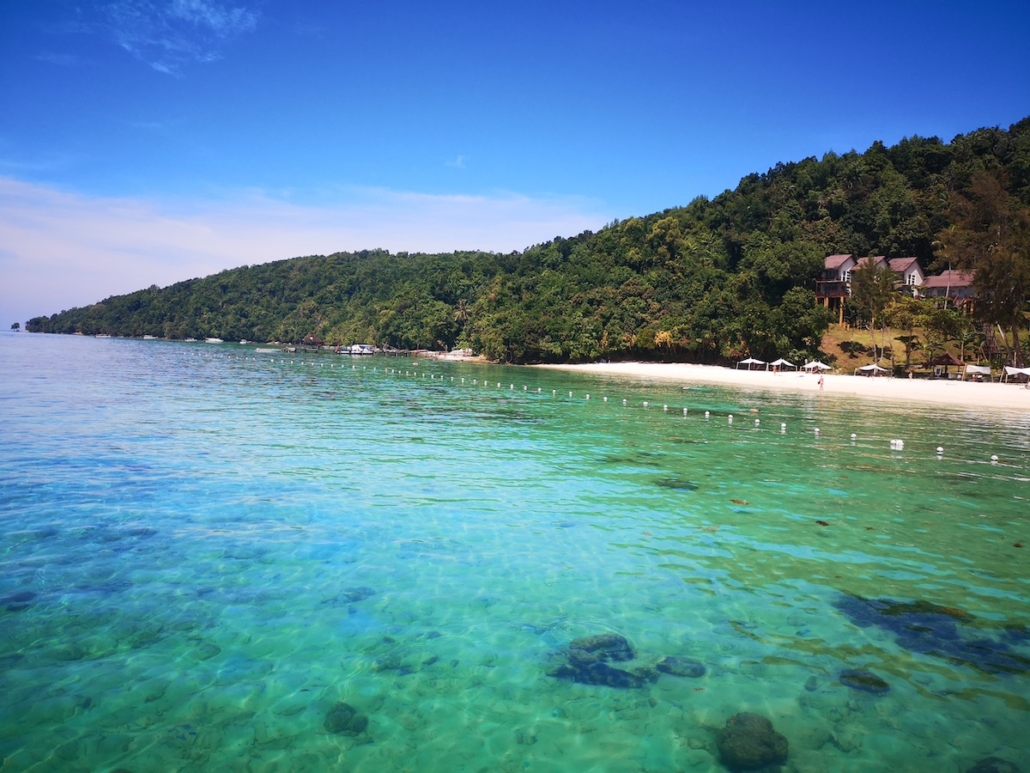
820,380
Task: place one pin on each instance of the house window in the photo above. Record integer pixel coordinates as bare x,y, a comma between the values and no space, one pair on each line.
910,279
846,276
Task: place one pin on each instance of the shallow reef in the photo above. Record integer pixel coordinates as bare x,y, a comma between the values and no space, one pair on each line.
943,632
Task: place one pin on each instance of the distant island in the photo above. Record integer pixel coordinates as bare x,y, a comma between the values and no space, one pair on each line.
711,282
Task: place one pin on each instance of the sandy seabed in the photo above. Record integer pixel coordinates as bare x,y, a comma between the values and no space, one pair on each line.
966,394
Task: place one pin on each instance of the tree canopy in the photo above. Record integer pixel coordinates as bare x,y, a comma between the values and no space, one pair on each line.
707,282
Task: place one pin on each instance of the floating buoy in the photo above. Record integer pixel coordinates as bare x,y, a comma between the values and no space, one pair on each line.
854,436
523,387
538,390
554,392
817,430
646,403
758,422
684,411
606,399
665,408
588,397
730,417
940,450
783,427
994,459
708,414
624,402
570,394
511,387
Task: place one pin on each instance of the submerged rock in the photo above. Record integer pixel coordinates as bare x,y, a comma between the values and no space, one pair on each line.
358,594
749,742
993,765
681,666
17,602
344,719
860,679
607,646
587,662
678,484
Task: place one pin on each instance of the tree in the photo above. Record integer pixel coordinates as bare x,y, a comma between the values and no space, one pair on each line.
16,326
872,289
990,235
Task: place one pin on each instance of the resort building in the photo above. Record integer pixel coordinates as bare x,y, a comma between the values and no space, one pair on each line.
954,285
835,284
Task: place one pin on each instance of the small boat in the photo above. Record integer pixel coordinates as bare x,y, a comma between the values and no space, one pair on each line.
149,338
262,350
190,340
212,340
362,349
244,341
102,335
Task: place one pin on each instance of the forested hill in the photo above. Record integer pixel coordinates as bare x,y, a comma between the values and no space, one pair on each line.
710,281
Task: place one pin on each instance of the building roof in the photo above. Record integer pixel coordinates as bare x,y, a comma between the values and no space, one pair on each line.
876,260
901,265
950,279
836,261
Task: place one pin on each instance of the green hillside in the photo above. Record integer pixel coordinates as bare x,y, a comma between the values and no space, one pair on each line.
707,282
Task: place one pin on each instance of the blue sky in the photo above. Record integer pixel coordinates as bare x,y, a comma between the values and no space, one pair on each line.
149,141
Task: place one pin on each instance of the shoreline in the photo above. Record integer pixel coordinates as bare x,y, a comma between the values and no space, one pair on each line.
970,395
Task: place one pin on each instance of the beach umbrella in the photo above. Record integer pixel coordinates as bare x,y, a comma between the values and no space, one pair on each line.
815,365
780,363
872,369
750,361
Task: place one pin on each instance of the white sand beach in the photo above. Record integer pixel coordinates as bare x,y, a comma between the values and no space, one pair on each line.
965,394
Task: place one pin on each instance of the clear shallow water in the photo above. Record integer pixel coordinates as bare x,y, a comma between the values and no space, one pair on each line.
204,550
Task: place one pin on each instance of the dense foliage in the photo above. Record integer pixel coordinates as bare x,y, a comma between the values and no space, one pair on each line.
714,280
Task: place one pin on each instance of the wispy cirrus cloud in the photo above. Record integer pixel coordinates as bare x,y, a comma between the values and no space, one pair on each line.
61,60
170,34
61,249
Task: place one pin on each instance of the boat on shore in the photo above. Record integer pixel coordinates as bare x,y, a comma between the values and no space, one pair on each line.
212,340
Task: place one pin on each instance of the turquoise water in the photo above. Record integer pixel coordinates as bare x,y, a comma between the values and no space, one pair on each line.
204,550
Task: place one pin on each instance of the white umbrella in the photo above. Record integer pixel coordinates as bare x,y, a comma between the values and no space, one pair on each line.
815,365
781,362
871,368
750,361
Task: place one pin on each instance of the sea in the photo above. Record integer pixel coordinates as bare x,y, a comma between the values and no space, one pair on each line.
215,558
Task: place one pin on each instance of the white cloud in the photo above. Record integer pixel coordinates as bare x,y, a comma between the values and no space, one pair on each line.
170,34
60,249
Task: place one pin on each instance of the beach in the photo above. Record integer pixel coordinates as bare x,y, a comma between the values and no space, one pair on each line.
951,392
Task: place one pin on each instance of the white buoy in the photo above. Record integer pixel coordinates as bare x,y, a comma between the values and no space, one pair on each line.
994,458
554,392
684,411
538,390
817,430
646,403
498,384
730,417
588,397
570,394
940,450
511,387
758,422
523,387
606,399
624,401
665,408
708,414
